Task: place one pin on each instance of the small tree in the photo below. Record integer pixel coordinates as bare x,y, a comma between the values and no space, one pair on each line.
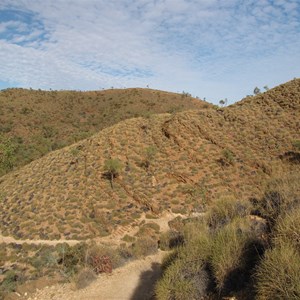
227,157
150,153
223,102
112,168
7,154
256,91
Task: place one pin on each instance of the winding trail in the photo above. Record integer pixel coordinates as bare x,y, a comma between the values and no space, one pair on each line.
133,281
9,239
114,238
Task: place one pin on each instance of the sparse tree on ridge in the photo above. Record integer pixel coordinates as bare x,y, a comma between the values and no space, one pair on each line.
112,168
256,91
223,102
150,153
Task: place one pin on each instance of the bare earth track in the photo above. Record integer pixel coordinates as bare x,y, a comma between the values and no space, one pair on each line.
114,238
132,281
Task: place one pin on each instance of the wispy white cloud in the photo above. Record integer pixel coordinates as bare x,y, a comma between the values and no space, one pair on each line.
212,48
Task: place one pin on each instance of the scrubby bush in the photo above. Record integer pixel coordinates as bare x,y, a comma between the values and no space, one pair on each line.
9,282
184,279
70,258
129,239
103,258
227,254
224,210
296,144
176,224
278,275
227,157
170,239
186,273
287,229
144,246
149,155
281,197
7,154
213,259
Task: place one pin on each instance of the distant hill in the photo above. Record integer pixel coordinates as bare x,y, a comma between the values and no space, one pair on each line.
180,162
33,123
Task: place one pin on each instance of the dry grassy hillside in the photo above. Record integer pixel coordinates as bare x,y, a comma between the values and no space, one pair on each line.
33,123
196,157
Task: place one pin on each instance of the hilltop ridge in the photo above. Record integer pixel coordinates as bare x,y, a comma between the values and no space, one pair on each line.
35,122
200,155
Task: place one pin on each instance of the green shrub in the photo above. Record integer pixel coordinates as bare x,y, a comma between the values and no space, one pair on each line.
197,241
278,275
125,252
151,225
281,197
169,258
170,239
227,157
149,155
72,257
288,229
296,144
144,246
9,282
7,154
183,279
112,168
176,224
129,239
224,210
227,252
151,216
185,269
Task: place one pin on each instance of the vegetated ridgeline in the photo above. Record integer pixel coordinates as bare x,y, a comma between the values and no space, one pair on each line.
33,123
199,156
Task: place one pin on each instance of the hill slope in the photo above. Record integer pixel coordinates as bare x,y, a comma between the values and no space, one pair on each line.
33,123
200,156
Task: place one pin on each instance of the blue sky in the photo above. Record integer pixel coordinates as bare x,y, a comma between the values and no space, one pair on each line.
210,48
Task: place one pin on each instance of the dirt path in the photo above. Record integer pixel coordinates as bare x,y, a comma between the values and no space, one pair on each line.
114,238
134,281
9,239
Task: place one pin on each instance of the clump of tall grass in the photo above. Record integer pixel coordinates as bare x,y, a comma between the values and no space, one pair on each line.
287,229
224,210
281,197
186,275
214,256
228,249
278,275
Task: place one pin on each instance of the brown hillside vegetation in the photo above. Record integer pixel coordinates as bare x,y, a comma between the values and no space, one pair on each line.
35,122
196,157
